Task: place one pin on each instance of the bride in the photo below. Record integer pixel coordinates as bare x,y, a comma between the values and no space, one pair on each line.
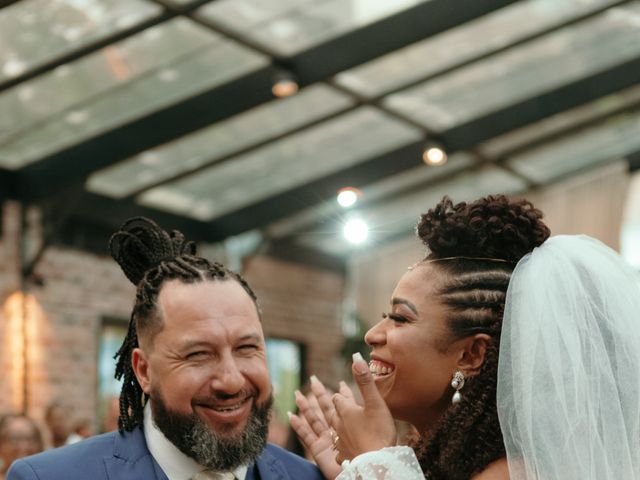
514,356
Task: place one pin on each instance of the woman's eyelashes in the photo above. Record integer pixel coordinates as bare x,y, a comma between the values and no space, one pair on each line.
395,317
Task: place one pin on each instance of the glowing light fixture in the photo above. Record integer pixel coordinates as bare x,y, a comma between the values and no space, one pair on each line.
284,85
434,154
356,231
348,196
23,316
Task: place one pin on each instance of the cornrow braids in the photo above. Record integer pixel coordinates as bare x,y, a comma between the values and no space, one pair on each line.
494,228
149,257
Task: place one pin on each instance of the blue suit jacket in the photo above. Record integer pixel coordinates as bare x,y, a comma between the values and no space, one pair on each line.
112,456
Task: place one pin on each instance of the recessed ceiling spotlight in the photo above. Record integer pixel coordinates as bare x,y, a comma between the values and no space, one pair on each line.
434,154
356,231
284,85
348,196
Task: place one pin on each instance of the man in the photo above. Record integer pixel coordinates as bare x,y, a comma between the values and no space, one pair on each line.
57,417
196,396
19,437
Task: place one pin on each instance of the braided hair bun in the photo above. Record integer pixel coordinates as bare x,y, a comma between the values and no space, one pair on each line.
141,245
490,227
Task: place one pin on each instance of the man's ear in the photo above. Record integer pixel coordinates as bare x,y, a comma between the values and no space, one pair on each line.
473,353
141,369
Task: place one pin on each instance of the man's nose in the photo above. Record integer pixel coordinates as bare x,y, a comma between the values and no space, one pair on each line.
228,377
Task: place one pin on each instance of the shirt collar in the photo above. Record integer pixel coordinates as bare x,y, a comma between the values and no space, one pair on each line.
175,464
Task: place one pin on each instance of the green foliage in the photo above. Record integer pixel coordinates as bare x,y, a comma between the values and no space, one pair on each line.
355,341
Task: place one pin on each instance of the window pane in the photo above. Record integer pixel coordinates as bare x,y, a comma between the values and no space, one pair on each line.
291,26
522,72
303,157
284,360
223,138
155,69
611,140
33,32
538,131
475,38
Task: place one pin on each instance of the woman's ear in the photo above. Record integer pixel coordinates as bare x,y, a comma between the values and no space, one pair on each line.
472,354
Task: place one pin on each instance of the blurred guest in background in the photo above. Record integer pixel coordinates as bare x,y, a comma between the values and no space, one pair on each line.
57,417
111,415
19,437
82,429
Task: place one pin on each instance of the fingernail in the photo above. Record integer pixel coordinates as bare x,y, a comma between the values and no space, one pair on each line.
289,414
359,364
314,379
297,393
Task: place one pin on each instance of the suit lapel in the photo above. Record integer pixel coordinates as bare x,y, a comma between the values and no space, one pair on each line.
131,459
267,467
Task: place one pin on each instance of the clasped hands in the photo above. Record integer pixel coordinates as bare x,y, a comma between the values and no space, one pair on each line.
336,428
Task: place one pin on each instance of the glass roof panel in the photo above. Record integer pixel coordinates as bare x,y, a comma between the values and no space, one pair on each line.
118,84
400,215
566,55
295,160
33,32
388,186
453,47
243,16
288,27
219,140
613,139
34,101
537,131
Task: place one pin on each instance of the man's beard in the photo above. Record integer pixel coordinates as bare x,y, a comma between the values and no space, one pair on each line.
197,440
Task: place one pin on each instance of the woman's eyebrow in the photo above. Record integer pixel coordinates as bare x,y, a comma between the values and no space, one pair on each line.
402,301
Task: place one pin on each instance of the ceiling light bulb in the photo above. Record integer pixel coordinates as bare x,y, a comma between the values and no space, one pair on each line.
348,196
356,231
434,155
284,85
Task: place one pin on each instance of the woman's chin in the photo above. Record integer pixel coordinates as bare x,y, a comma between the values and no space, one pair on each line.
385,385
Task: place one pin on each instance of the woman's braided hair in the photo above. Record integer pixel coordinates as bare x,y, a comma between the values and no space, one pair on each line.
475,246
150,256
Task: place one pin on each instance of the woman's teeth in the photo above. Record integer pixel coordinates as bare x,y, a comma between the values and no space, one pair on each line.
379,369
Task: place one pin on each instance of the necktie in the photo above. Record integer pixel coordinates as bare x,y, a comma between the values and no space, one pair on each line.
211,475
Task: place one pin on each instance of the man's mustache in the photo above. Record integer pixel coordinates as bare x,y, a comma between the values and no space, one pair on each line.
217,397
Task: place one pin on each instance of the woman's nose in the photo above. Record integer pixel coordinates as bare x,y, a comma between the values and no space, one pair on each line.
376,334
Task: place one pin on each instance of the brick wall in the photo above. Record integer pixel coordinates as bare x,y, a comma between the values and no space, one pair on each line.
81,289
301,304
64,318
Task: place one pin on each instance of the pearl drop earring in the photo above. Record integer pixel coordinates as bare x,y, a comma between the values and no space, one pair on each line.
457,383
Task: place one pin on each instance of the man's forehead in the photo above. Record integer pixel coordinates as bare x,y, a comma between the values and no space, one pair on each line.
221,290
208,299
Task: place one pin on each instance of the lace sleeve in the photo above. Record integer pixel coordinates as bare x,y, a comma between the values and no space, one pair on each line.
391,463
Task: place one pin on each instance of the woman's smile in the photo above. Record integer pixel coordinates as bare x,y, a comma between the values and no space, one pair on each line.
380,368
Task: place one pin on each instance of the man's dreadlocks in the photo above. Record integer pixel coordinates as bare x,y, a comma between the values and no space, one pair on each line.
150,256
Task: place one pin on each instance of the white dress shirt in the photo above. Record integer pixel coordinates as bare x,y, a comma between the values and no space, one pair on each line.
175,464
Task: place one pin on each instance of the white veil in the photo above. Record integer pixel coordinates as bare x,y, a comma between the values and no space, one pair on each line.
569,368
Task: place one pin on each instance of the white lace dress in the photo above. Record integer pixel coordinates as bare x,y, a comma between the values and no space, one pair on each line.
391,463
